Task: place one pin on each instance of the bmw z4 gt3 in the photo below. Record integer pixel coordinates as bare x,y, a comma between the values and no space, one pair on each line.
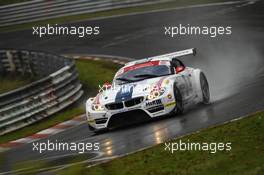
145,89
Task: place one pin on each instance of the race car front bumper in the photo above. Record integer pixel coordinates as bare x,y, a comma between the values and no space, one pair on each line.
147,109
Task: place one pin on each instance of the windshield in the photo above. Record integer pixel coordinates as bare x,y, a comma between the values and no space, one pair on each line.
143,73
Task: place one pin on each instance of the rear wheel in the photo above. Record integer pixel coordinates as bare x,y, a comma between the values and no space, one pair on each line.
204,88
179,108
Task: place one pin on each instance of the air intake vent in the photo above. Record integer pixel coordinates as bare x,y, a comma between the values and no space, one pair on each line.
114,106
134,101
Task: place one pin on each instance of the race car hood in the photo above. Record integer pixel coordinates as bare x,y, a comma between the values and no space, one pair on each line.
126,92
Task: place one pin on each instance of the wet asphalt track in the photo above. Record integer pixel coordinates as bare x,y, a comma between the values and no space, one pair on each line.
233,64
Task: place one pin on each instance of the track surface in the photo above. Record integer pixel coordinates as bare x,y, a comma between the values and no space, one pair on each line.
233,64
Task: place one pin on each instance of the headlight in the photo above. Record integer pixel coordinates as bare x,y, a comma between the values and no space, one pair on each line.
155,93
97,107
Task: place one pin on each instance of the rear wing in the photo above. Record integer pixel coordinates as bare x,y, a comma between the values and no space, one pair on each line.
172,55
165,57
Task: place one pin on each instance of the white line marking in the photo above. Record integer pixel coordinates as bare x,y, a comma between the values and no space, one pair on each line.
70,122
50,131
3,149
23,140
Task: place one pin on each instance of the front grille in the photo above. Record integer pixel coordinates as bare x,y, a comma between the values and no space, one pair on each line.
127,118
134,101
101,120
114,106
120,105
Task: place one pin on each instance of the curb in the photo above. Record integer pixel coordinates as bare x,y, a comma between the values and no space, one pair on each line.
78,120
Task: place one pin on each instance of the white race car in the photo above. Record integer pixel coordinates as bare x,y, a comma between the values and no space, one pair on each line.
145,89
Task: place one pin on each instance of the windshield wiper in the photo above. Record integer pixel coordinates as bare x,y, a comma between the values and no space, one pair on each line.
146,75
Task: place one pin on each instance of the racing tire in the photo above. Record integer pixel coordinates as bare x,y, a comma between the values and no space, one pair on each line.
91,128
179,108
100,131
204,88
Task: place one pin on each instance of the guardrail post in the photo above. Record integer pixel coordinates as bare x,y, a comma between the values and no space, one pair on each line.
11,64
1,65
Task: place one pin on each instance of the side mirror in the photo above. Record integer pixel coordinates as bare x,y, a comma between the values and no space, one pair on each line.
179,69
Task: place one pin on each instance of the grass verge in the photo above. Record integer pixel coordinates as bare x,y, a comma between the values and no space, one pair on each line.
91,73
95,73
11,82
69,19
245,158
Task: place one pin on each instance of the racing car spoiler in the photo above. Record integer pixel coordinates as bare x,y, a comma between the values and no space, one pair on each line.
165,57
172,55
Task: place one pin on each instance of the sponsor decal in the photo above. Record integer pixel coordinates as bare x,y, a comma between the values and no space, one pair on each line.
169,96
158,85
157,113
170,104
166,82
137,66
164,62
153,103
140,65
97,99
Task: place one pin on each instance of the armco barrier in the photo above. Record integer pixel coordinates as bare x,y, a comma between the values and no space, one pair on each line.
57,88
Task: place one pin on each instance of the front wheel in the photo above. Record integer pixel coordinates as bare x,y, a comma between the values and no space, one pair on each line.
179,108
204,88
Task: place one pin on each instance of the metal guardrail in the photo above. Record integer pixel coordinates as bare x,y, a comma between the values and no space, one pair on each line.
41,10
57,88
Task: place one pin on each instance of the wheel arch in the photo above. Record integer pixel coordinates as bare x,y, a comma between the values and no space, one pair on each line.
197,84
